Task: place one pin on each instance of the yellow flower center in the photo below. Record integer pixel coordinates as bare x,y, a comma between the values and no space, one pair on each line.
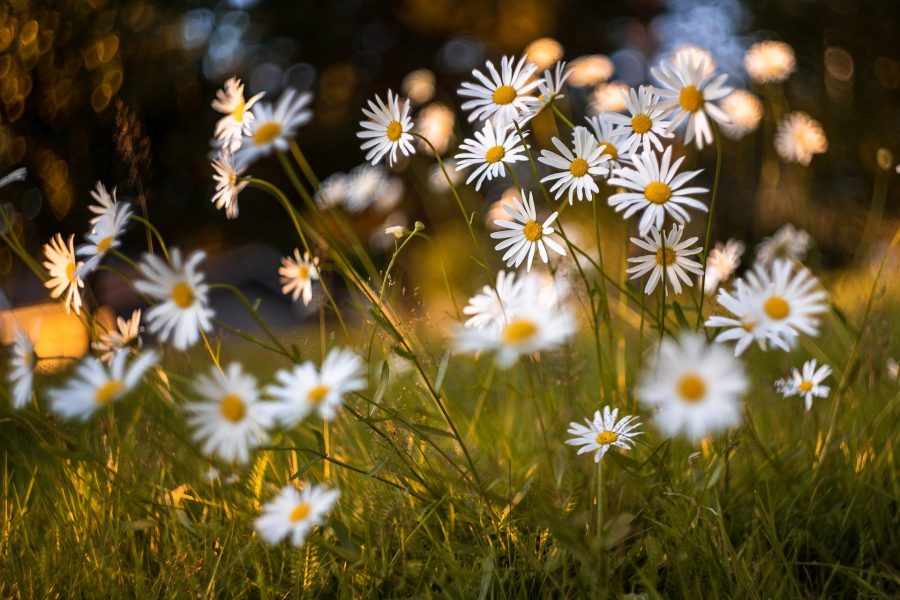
505,94
182,295
657,192
303,272
266,133
394,131
238,113
70,271
104,244
107,392
670,256
606,437
232,408
609,149
691,388
578,167
495,154
641,123
777,308
519,330
805,386
533,231
300,512
690,98
317,394
748,326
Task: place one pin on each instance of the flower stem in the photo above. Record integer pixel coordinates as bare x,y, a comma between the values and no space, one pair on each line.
709,222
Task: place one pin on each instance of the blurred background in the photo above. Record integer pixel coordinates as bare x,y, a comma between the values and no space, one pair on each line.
120,91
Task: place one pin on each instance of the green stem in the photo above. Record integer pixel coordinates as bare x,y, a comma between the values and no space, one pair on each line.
304,165
152,228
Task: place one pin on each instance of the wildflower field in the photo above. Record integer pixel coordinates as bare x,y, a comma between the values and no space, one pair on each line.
553,329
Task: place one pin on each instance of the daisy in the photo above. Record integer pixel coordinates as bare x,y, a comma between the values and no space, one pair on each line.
364,186
694,387
332,191
305,389
126,333
504,96
578,168
64,272
769,61
604,432
182,311
21,367
788,301
524,234
694,55
492,150
787,242
656,188
386,129
104,234
669,260
746,325
691,95
297,275
273,125
488,309
551,83
96,385
238,118
722,261
614,141
106,206
645,123
230,419
13,176
799,137
744,110
226,177
807,383
293,514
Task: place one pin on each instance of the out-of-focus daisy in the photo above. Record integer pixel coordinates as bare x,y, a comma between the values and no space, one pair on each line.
524,234
769,61
694,387
744,110
745,325
604,432
418,86
293,514
691,96
614,140
807,383
503,96
182,311
544,52
126,333
230,419
552,82
106,206
297,275
789,301
435,123
386,129
657,188
238,118
226,177
64,272
488,308
669,260
695,55
590,70
608,97
799,137
104,236
13,176
365,186
722,261
273,126
21,367
306,389
492,150
644,124
332,191
397,231
576,169
787,242
94,385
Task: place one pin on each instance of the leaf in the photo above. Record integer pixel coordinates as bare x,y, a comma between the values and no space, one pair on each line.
442,371
382,383
402,352
679,315
384,323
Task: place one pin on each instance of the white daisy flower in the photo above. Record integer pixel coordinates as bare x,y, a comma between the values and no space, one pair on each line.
694,387
230,420
21,367
613,140
305,389
799,137
492,150
96,385
787,242
126,333
745,112
13,176
273,125
293,514
656,188
691,96
226,176
332,191
722,261
551,84
694,55
788,301
104,235
578,168
365,185
504,96
644,124
604,432
807,383
522,236
386,129
770,61
488,309
674,255
297,275
746,325
182,311
106,206
238,118
64,272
